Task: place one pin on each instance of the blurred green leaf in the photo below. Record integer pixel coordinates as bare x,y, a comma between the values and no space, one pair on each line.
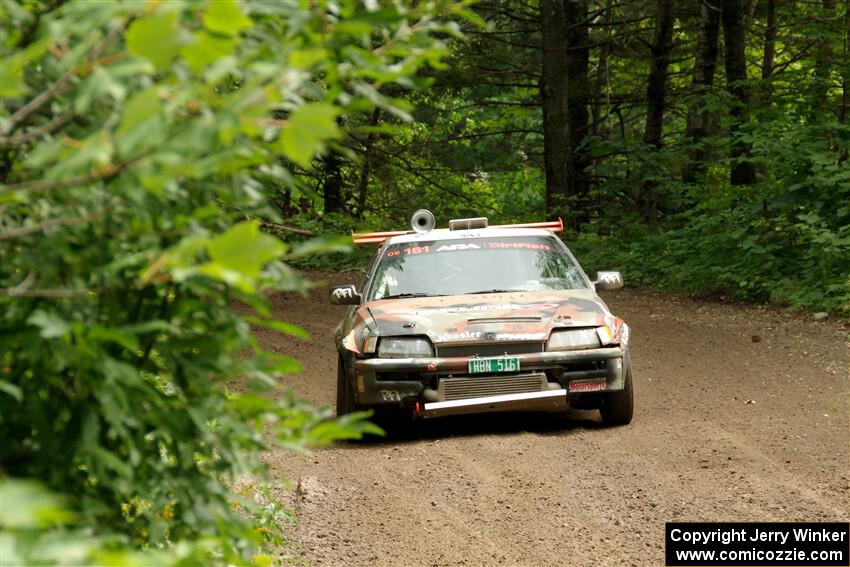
280,326
12,83
140,108
27,504
155,38
307,58
117,336
225,17
322,245
12,390
307,131
206,49
51,326
245,249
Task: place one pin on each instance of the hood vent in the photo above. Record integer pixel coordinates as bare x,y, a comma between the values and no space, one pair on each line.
505,320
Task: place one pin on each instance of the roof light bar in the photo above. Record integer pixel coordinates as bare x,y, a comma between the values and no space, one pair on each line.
372,237
468,224
554,226
378,237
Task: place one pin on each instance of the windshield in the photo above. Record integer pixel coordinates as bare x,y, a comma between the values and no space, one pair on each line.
482,265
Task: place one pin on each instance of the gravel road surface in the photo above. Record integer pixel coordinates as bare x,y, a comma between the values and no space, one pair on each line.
741,415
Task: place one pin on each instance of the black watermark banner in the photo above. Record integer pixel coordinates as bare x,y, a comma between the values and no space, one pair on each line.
811,544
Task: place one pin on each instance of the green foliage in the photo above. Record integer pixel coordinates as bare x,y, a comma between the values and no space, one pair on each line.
783,240
797,262
140,141
40,529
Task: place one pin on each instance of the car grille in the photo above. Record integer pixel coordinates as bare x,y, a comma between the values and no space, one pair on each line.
488,349
466,388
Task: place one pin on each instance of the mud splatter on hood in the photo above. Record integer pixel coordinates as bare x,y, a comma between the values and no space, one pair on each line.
520,316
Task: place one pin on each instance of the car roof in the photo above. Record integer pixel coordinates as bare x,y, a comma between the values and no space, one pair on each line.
446,234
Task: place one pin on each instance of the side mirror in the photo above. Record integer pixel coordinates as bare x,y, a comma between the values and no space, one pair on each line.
608,281
344,295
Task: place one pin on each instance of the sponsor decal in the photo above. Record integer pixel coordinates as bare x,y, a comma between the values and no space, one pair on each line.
464,336
453,247
478,335
588,385
343,292
609,277
519,245
390,396
409,251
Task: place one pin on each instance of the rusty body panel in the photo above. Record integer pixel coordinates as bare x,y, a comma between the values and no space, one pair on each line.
510,325
504,316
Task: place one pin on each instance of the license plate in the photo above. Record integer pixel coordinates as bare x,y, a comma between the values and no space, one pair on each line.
493,365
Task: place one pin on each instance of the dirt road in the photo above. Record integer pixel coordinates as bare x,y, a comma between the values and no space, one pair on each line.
741,414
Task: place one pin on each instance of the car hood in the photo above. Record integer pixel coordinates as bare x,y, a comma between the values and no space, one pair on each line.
518,316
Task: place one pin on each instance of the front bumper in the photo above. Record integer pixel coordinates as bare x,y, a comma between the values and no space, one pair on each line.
550,400
393,380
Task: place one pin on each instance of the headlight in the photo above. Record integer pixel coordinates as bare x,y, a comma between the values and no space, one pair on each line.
574,339
395,347
605,334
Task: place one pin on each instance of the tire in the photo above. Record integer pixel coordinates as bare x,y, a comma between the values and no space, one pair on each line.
618,407
344,391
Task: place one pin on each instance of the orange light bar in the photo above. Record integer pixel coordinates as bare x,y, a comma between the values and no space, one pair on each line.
554,226
376,237
372,237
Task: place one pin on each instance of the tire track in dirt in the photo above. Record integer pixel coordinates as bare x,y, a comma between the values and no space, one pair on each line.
741,414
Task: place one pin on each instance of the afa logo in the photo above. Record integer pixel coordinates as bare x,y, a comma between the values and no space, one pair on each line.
454,247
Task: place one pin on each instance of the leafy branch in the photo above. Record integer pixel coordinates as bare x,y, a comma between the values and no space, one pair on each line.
61,84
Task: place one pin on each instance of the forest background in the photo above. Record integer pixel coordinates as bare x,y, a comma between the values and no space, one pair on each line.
696,146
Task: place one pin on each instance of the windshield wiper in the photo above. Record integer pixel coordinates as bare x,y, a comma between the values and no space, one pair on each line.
405,295
496,291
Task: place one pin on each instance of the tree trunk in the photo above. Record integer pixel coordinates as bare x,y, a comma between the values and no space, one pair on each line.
734,37
564,92
768,61
332,182
657,80
365,167
845,77
823,66
699,118
602,94
578,98
655,90
750,9
557,144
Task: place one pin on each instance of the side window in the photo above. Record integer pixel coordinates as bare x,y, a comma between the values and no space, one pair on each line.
364,278
573,271
384,282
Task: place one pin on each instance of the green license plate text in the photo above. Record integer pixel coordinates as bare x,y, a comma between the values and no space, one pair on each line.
493,365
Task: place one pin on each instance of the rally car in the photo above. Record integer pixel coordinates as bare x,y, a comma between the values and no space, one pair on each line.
474,319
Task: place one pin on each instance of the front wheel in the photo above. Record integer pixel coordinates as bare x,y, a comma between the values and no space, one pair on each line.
618,407
344,391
